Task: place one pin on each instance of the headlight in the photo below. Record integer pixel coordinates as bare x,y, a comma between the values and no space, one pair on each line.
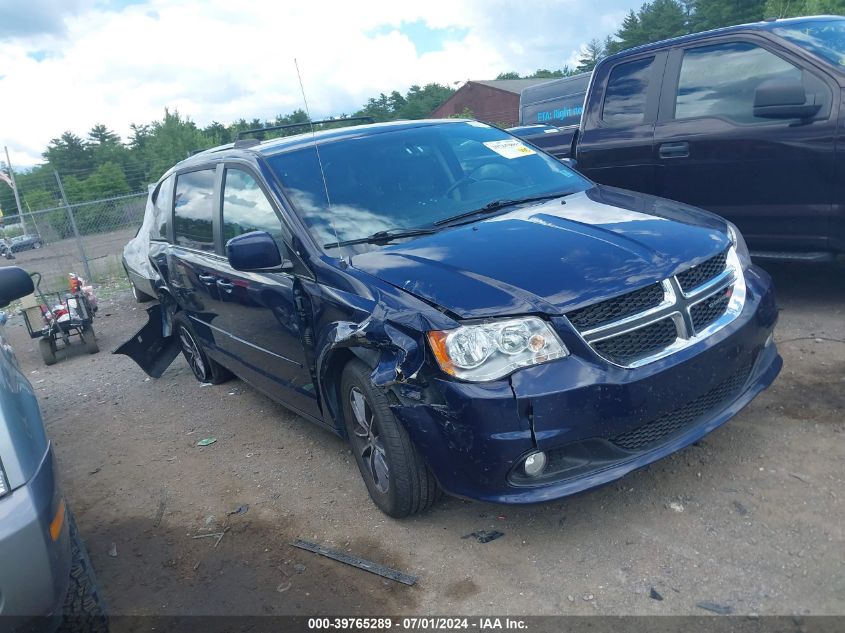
492,350
739,245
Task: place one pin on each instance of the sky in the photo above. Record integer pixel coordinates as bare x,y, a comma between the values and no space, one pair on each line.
69,64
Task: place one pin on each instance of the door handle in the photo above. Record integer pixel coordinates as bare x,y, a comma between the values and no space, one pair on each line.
225,285
674,150
207,279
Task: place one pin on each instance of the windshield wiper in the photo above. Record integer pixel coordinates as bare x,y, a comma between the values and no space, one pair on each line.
495,205
380,237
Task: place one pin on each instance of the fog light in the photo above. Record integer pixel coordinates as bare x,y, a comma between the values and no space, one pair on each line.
534,464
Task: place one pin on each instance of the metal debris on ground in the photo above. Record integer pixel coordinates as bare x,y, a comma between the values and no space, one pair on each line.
360,563
654,595
239,510
219,536
484,536
207,441
715,608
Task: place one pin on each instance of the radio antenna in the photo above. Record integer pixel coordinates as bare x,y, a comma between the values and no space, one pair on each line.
316,149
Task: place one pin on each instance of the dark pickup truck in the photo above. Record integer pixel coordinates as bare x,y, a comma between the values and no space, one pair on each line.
745,121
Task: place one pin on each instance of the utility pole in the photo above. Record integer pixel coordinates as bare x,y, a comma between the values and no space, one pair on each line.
15,189
79,245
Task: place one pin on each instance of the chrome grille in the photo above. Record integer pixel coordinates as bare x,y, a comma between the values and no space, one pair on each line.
652,322
617,308
668,424
708,269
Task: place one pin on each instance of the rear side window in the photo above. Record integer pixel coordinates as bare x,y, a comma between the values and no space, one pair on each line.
627,88
246,208
192,210
720,80
162,209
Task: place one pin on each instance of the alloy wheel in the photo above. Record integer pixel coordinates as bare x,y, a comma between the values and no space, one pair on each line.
368,442
192,353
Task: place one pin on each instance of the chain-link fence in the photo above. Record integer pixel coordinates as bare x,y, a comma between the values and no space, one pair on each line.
85,238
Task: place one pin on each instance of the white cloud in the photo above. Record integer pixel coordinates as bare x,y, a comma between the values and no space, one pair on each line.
221,60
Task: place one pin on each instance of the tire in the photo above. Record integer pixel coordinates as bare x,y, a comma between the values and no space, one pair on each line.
397,478
89,339
204,368
47,347
84,610
36,245
140,297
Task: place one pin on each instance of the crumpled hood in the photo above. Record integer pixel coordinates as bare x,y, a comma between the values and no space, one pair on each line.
551,257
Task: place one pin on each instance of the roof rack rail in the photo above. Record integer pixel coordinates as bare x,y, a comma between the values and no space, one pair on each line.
270,128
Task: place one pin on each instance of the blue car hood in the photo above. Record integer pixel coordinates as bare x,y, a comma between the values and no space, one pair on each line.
550,257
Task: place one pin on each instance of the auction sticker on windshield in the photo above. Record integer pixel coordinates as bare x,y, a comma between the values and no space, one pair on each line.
510,148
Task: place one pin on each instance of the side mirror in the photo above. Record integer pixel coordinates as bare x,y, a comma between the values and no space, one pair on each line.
570,162
14,283
254,252
783,99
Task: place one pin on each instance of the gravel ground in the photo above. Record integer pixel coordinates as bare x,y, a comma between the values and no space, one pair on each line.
751,518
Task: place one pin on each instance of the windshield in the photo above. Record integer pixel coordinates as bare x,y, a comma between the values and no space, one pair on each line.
824,38
410,178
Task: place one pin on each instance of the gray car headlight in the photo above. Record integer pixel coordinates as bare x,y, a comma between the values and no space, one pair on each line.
488,351
739,244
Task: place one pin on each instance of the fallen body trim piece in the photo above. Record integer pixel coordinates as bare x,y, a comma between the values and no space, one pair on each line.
153,351
360,563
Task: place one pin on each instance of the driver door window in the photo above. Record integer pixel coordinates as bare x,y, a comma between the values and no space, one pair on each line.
246,208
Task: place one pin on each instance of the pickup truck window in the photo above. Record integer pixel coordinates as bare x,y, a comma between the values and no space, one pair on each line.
825,38
625,99
246,208
720,80
192,225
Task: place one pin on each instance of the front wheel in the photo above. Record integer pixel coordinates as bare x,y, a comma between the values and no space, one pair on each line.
47,347
397,478
84,609
204,368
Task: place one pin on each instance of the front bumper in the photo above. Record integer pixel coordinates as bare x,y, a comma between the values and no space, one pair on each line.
35,569
597,422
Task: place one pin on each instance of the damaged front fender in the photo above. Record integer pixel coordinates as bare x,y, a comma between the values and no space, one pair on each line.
398,337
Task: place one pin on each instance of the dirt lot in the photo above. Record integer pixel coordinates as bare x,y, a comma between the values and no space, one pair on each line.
751,518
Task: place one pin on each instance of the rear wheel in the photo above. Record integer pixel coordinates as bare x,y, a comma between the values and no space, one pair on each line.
204,368
89,339
47,347
84,609
397,478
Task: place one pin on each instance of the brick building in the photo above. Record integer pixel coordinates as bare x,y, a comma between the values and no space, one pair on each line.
495,101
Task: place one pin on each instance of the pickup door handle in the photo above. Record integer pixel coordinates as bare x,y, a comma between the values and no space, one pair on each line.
207,279
225,285
674,150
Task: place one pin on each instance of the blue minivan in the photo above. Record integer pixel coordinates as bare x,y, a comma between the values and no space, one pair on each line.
472,314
